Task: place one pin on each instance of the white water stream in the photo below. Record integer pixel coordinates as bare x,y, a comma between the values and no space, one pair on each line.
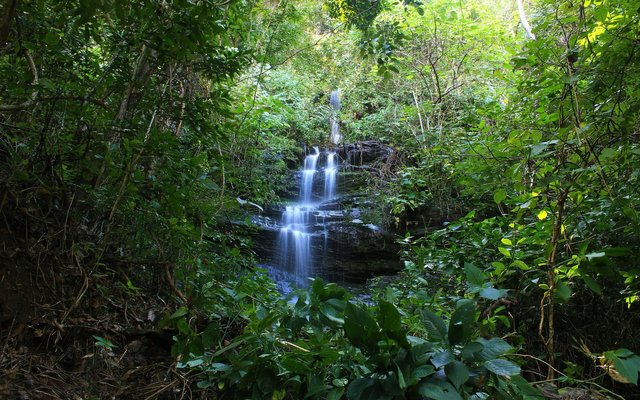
302,218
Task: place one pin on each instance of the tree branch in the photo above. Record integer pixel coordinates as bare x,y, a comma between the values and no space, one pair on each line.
5,26
26,104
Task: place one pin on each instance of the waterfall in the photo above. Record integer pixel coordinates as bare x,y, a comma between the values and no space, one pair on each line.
308,173
294,241
305,220
333,120
330,172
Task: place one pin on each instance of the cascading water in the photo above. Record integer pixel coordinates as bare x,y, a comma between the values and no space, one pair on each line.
308,173
335,137
295,249
320,233
330,173
304,220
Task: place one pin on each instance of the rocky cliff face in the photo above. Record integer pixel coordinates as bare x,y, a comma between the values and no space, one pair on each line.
344,248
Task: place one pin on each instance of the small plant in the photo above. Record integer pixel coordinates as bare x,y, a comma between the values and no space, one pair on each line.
104,343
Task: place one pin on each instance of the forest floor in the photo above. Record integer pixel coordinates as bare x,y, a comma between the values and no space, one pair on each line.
66,334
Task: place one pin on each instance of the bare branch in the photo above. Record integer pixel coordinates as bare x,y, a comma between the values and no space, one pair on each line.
523,19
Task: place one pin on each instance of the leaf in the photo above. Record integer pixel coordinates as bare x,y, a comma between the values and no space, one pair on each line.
389,317
440,390
563,291
401,381
361,388
331,313
183,327
203,384
591,284
542,215
591,256
434,325
520,264
442,358
628,367
179,313
504,252
474,275
538,149
462,322
191,363
470,350
360,327
51,38
616,251
493,293
457,373
493,348
525,388
502,367
600,13
422,372
335,394
499,196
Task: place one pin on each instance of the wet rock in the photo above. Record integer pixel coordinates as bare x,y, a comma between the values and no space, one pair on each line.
344,246
367,152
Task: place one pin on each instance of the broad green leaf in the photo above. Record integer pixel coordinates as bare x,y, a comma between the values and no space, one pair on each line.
331,313
493,348
457,373
183,327
434,324
439,390
563,291
492,293
499,196
335,394
504,252
622,352
422,372
502,367
401,382
474,275
628,367
295,365
462,322
442,358
389,317
591,284
616,251
360,327
591,256
51,38
470,350
362,389
521,265
179,313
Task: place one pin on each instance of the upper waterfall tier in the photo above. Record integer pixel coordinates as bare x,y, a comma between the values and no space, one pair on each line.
334,101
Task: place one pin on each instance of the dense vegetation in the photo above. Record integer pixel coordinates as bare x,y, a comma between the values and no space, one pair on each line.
137,138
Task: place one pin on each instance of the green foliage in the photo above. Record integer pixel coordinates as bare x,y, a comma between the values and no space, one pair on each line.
104,343
358,13
626,363
130,133
323,344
